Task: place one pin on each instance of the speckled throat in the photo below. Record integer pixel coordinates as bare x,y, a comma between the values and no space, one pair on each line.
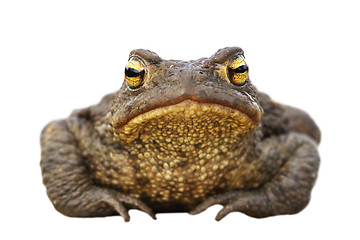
182,151
189,121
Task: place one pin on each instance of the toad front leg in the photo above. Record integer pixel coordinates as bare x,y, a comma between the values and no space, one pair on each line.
287,192
68,183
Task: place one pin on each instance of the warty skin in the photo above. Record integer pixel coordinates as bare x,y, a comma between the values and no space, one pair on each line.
186,138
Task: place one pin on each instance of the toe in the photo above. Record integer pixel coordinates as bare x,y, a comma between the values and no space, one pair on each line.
119,208
136,203
224,211
143,207
217,199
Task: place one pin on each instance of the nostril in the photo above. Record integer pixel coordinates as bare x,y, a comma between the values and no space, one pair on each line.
171,74
201,72
202,93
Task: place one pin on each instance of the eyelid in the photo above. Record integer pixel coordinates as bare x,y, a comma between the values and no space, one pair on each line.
237,62
136,63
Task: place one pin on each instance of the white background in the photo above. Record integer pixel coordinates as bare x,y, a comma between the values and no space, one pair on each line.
56,56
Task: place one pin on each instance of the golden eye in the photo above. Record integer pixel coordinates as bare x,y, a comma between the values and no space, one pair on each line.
135,72
238,71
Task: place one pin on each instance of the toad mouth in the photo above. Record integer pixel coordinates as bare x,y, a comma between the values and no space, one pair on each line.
187,117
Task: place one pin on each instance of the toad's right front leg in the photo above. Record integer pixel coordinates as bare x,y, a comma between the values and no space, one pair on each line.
67,180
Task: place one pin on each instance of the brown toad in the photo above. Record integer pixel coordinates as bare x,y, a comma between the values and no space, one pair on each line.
182,136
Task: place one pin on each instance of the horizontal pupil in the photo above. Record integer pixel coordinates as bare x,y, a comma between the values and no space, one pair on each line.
241,69
132,72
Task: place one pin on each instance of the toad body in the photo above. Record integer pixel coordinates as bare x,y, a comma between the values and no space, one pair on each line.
182,136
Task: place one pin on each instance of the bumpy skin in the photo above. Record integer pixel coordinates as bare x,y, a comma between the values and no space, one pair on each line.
186,139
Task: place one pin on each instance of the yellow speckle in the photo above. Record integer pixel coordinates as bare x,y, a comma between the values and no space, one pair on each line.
50,129
202,177
223,148
115,182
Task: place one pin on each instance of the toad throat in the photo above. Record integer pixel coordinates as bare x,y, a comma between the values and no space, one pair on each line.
186,148
186,124
187,132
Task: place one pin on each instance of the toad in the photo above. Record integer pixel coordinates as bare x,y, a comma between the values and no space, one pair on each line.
180,136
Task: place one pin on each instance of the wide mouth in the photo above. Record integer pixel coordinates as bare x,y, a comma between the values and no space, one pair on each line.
191,117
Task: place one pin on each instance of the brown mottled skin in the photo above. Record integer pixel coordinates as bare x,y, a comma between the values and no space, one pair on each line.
186,139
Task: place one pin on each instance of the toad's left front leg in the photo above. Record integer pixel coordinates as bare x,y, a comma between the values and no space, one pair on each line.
287,192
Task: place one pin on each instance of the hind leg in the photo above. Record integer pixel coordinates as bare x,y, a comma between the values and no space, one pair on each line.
288,192
67,180
299,121
279,119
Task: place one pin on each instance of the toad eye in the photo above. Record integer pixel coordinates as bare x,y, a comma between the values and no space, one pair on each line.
135,73
238,71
